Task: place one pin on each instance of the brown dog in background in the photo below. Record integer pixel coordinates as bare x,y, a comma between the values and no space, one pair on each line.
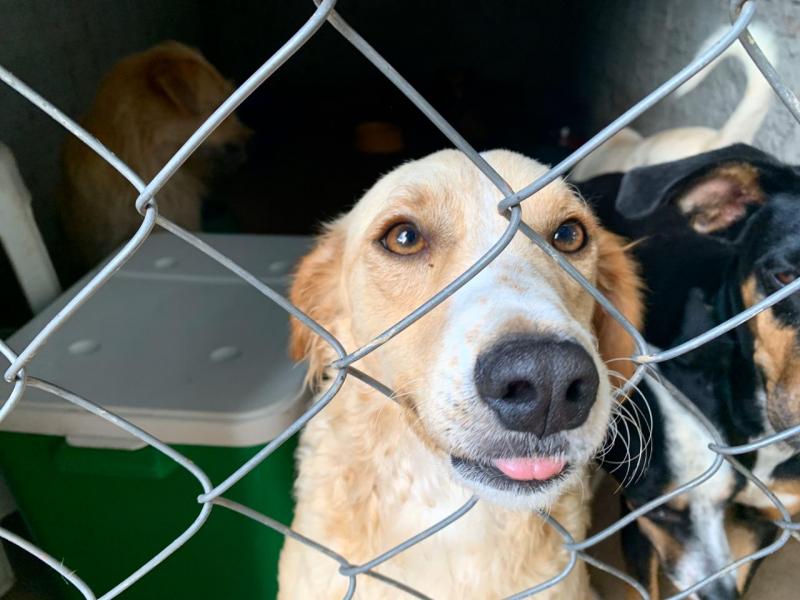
147,106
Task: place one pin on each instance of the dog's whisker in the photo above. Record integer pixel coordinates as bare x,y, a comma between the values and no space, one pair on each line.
639,463
642,458
625,440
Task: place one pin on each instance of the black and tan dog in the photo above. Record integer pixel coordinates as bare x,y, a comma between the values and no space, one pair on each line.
719,231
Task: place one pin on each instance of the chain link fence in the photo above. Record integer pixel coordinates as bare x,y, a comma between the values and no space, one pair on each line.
147,205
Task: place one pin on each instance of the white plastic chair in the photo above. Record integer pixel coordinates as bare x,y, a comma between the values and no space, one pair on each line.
23,244
21,239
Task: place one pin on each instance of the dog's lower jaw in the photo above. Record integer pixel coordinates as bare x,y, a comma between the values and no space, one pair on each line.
367,483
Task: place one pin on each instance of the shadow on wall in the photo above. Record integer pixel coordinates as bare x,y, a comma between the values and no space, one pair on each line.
653,39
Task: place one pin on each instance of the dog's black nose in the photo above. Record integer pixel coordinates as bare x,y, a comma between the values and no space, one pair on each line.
538,385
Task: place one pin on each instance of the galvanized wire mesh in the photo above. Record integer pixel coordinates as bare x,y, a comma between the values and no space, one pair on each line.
147,205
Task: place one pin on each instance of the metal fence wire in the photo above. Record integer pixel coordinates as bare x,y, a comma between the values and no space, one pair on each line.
147,205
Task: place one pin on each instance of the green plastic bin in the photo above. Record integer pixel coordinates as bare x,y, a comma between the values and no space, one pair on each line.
186,351
106,512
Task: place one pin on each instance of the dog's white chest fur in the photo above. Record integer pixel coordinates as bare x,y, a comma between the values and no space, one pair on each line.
767,459
362,508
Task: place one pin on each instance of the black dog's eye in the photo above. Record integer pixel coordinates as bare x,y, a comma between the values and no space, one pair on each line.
569,237
404,239
664,515
784,277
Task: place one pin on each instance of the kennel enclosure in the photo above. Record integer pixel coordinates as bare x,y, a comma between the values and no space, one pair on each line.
24,356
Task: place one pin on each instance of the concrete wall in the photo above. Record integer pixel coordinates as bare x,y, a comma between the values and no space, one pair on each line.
631,46
538,65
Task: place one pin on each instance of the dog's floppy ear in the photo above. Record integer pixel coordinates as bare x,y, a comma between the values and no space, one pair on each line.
315,291
713,190
190,83
618,280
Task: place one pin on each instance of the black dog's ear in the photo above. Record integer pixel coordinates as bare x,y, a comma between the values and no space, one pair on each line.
713,190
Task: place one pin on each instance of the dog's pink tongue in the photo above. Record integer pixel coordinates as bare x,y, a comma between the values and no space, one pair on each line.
529,469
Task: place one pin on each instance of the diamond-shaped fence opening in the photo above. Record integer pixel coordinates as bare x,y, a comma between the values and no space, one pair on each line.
23,363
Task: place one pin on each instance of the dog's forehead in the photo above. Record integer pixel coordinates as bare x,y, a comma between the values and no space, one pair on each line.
449,183
773,228
548,206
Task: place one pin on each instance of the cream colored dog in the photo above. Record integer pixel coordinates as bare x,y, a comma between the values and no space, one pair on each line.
147,106
628,149
502,391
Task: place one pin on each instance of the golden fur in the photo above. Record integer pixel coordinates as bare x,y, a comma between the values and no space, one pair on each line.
146,107
373,472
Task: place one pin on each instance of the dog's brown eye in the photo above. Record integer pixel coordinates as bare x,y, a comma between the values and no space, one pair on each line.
569,237
403,238
785,277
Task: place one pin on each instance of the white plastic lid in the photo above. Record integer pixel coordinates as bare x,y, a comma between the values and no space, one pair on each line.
176,344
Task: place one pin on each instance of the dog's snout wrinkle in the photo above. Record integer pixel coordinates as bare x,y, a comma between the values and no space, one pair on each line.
536,384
